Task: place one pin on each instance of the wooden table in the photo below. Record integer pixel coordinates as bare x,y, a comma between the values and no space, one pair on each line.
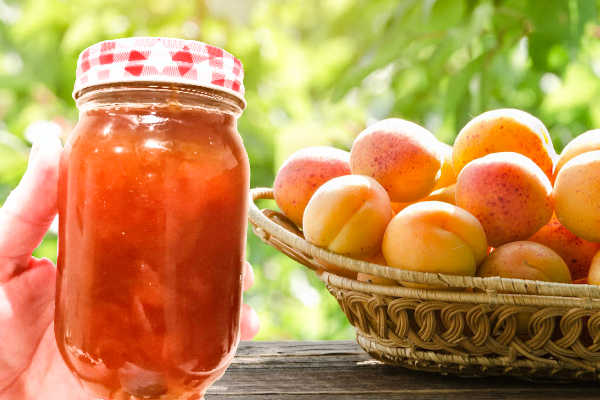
341,370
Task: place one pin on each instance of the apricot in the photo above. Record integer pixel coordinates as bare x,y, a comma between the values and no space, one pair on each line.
587,141
575,251
576,194
504,130
525,260
348,215
433,236
446,194
397,207
508,193
302,174
402,156
594,273
447,175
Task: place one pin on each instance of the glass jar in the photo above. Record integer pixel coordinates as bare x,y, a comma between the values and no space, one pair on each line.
152,212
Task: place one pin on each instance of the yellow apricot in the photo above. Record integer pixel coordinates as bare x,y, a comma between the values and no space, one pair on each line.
587,141
504,130
577,194
434,236
594,273
447,175
348,215
525,260
446,194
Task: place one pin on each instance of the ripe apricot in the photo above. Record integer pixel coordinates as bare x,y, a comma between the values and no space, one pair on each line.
433,236
302,174
576,195
446,194
525,260
447,175
508,193
397,207
594,273
348,215
587,141
575,251
504,130
402,156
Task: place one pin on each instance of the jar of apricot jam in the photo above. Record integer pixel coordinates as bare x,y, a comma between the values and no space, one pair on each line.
152,208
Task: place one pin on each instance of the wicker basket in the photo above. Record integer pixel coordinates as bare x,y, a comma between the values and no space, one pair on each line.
469,332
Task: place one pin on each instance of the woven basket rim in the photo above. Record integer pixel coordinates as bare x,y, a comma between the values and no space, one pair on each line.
450,296
588,295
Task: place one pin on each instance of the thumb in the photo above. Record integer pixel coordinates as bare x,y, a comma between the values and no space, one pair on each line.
29,209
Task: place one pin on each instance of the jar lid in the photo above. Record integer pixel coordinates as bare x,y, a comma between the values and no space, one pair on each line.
157,59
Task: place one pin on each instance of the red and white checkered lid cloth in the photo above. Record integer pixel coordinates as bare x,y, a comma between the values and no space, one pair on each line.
156,59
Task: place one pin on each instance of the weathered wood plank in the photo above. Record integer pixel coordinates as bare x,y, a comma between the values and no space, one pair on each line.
340,370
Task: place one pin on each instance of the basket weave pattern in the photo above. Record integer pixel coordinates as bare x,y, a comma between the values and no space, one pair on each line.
472,333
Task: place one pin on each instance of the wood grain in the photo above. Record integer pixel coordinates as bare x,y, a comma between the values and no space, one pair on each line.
340,370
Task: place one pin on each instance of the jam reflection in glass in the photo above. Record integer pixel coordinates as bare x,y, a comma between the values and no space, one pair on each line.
152,210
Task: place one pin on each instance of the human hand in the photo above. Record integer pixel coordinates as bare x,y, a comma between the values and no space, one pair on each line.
31,367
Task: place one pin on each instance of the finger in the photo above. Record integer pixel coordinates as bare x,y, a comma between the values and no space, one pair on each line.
27,309
248,276
32,291
30,208
250,323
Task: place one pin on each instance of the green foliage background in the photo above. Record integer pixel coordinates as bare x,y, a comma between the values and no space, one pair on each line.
317,72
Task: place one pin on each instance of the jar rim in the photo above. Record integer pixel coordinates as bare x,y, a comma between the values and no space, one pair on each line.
166,85
157,93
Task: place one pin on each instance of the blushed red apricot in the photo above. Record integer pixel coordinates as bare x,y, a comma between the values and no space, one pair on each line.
402,156
302,174
508,193
575,251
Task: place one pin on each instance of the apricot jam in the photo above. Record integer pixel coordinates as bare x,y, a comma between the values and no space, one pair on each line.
152,207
